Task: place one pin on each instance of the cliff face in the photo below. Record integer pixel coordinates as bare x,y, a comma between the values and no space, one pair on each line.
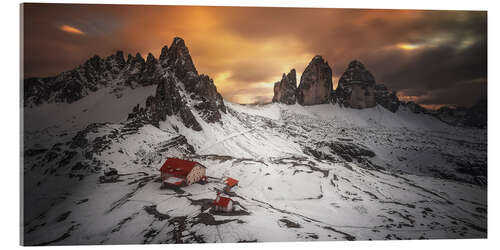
356,88
315,83
285,90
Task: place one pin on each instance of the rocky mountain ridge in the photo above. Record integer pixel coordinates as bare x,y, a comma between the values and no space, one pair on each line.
177,80
357,88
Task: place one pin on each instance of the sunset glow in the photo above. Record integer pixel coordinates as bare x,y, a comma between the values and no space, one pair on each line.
407,46
246,50
73,30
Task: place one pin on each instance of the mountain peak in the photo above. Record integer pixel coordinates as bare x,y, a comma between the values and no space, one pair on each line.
163,55
315,83
178,40
356,87
356,64
284,90
179,59
138,56
150,58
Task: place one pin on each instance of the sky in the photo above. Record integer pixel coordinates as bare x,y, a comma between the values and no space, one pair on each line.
434,58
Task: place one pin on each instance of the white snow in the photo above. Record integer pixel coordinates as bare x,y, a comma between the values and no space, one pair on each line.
262,146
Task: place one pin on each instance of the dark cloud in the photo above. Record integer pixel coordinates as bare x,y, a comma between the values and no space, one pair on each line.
435,57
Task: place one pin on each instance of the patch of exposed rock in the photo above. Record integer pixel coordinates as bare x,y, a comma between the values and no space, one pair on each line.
285,90
208,102
356,88
386,98
416,108
177,59
315,83
166,102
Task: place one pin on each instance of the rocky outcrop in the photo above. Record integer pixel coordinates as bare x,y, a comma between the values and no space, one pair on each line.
208,102
356,88
285,90
200,91
201,88
385,98
177,59
167,101
315,83
416,108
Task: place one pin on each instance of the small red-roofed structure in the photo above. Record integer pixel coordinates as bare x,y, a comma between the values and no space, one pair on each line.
224,204
230,183
178,172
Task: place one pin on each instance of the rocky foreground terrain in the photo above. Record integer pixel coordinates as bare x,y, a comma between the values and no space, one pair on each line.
309,169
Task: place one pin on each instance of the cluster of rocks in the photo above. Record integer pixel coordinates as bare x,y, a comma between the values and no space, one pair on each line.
177,80
315,85
167,101
357,87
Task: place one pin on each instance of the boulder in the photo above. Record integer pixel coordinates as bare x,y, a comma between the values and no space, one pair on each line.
356,88
315,83
285,90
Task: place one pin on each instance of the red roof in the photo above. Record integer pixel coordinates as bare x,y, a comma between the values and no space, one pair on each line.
223,201
231,182
177,166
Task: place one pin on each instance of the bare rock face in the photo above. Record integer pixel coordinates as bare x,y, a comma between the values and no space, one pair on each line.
285,90
166,102
315,83
181,84
201,88
177,59
356,87
416,108
208,102
387,99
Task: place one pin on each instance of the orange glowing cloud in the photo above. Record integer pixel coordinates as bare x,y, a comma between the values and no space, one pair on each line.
72,30
246,50
407,46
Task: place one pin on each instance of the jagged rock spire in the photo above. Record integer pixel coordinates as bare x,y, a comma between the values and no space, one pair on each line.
315,83
178,59
285,90
356,88
163,55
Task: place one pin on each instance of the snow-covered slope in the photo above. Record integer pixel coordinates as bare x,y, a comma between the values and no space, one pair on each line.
319,172
306,173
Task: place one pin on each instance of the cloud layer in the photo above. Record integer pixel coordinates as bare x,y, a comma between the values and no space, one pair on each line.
433,57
